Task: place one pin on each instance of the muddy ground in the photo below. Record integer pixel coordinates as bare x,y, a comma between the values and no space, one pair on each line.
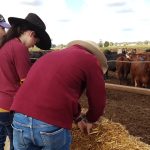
131,110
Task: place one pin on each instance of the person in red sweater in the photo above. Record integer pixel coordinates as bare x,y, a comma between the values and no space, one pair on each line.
15,63
47,103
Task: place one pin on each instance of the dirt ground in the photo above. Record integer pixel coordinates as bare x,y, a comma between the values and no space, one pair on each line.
131,110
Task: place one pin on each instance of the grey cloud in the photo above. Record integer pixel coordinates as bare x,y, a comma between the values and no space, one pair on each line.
64,20
116,4
120,7
127,29
145,19
33,2
128,10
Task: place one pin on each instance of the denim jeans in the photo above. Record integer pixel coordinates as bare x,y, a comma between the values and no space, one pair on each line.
32,134
6,129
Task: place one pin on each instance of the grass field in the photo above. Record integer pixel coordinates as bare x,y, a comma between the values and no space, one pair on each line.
138,47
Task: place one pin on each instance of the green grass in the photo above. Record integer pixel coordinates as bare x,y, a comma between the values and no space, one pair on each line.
138,47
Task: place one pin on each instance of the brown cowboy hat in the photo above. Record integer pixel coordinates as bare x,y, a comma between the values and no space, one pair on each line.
93,48
35,22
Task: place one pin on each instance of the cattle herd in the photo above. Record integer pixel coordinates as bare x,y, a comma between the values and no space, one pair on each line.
130,67
34,55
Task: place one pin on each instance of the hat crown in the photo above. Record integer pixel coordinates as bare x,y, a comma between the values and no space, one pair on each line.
35,23
93,48
35,20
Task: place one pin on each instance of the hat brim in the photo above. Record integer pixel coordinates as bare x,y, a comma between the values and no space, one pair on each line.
45,41
93,48
5,25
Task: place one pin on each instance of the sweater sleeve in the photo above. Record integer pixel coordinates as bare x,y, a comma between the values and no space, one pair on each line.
21,60
95,92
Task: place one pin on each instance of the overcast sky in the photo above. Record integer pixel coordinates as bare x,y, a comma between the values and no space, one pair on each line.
66,20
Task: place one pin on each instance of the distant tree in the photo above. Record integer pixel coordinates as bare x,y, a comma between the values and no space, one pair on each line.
100,44
111,43
115,44
125,44
61,46
146,42
106,44
53,45
139,43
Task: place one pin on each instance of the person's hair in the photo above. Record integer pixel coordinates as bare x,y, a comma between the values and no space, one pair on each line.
14,31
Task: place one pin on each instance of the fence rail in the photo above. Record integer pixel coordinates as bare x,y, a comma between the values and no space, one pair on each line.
130,89
129,61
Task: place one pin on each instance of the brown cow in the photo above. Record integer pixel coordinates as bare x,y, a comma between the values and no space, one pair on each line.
122,69
140,70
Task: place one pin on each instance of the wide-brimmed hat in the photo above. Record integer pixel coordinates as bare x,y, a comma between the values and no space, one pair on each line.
93,48
3,23
37,25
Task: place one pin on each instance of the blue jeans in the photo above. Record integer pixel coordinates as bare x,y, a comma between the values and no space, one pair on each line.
32,134
6,129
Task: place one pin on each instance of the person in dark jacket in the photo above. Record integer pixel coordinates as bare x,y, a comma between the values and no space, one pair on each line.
48,101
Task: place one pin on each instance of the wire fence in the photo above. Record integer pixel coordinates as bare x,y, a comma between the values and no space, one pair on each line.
139,61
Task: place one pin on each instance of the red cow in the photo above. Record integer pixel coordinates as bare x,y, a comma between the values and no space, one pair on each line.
140,70
122,68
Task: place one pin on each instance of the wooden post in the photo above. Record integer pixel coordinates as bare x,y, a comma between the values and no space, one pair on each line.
130,89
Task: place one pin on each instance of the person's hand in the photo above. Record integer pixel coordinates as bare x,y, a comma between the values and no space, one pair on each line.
89,127
85,127
81,125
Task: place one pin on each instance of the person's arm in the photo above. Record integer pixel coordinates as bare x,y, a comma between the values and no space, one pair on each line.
95,92
22,61
84,125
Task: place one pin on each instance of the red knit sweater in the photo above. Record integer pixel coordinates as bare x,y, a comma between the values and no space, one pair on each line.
14,66
55,83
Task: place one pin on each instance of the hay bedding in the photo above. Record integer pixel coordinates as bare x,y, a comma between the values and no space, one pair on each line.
106,135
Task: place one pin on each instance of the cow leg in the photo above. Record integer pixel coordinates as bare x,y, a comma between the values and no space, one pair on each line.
135,83
106,76
126,79
139,83
122,78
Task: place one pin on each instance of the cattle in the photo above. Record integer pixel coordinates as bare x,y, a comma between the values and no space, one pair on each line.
122,69
140,70
121,51
111,61
110,56
34,55
147,50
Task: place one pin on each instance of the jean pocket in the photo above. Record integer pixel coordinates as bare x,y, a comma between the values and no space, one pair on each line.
55,139
17,137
